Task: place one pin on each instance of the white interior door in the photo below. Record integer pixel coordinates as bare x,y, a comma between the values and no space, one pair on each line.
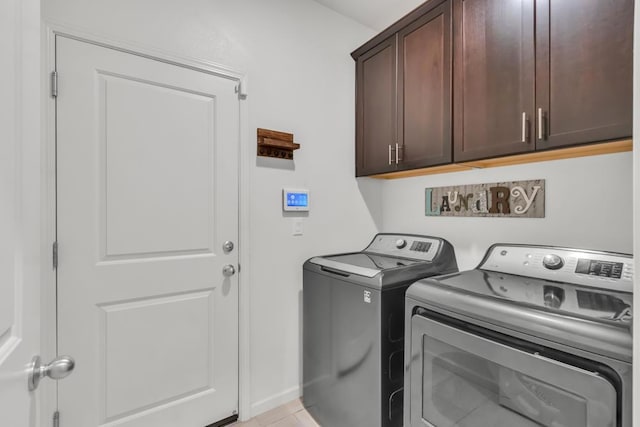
19,208
147,193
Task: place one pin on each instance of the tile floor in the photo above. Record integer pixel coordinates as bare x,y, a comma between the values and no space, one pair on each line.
290,414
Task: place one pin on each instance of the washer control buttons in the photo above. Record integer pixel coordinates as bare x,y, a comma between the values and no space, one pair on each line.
401,243
552,262
420,246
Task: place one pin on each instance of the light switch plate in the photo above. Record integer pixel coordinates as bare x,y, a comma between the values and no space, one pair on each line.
296,228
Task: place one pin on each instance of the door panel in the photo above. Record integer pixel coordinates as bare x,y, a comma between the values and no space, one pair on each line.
376,110
424,95
584,70
494,75
20,177
147,194
182,120
170,326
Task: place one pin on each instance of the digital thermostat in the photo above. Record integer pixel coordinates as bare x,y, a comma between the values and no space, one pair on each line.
295,200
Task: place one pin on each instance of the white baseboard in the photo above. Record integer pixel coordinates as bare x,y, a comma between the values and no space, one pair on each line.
274,401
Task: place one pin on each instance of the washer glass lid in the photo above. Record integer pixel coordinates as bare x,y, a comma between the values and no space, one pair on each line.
372,261
558,297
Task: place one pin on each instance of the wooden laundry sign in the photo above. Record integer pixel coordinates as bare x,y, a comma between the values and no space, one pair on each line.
521,199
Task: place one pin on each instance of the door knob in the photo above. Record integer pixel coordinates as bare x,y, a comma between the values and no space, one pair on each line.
227,246
228,270
59,368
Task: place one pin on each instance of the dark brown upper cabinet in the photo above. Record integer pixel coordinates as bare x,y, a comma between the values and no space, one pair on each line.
424,90
584,71
468,80
494,81
403,95
530,78
376,109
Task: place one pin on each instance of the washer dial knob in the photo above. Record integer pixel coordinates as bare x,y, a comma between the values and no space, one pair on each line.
401,243
552,262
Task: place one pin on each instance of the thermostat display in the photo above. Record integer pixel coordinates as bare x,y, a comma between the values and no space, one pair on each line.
295,200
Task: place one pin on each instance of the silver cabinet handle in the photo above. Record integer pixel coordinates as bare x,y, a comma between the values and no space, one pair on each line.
389,153
397,155
228,270
540,124
524,127
59,368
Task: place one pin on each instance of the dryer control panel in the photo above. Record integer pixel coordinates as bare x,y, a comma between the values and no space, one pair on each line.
422,248
605,270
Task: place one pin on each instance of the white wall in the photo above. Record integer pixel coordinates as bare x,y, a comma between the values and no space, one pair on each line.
295,54
588,205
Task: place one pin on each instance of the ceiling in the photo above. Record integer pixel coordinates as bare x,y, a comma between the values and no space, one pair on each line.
375,14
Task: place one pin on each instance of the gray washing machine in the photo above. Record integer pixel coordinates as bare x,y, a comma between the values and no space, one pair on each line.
534,336
353,327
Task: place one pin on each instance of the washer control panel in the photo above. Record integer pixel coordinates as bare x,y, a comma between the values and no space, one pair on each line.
406,246
582,267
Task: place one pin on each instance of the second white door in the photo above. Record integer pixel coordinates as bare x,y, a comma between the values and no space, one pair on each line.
147,193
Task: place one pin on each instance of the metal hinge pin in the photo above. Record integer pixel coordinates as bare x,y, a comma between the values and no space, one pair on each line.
54,84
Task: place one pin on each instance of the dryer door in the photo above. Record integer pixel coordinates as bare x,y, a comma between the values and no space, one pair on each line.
459,379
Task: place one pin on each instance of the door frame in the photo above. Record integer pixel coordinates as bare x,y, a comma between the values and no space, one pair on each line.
49,220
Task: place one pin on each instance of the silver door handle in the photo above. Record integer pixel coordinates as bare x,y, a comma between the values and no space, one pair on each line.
389,153
524,127
228,270
397,155
59,368
540,124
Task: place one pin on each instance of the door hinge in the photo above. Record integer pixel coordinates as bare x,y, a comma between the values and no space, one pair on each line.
55,255
241,91
56,419
54,84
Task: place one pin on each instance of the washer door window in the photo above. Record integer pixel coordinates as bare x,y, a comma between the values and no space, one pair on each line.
459,379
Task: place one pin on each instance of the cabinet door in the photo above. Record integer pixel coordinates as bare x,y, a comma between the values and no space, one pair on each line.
493,77
424,90
584,71
376,134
